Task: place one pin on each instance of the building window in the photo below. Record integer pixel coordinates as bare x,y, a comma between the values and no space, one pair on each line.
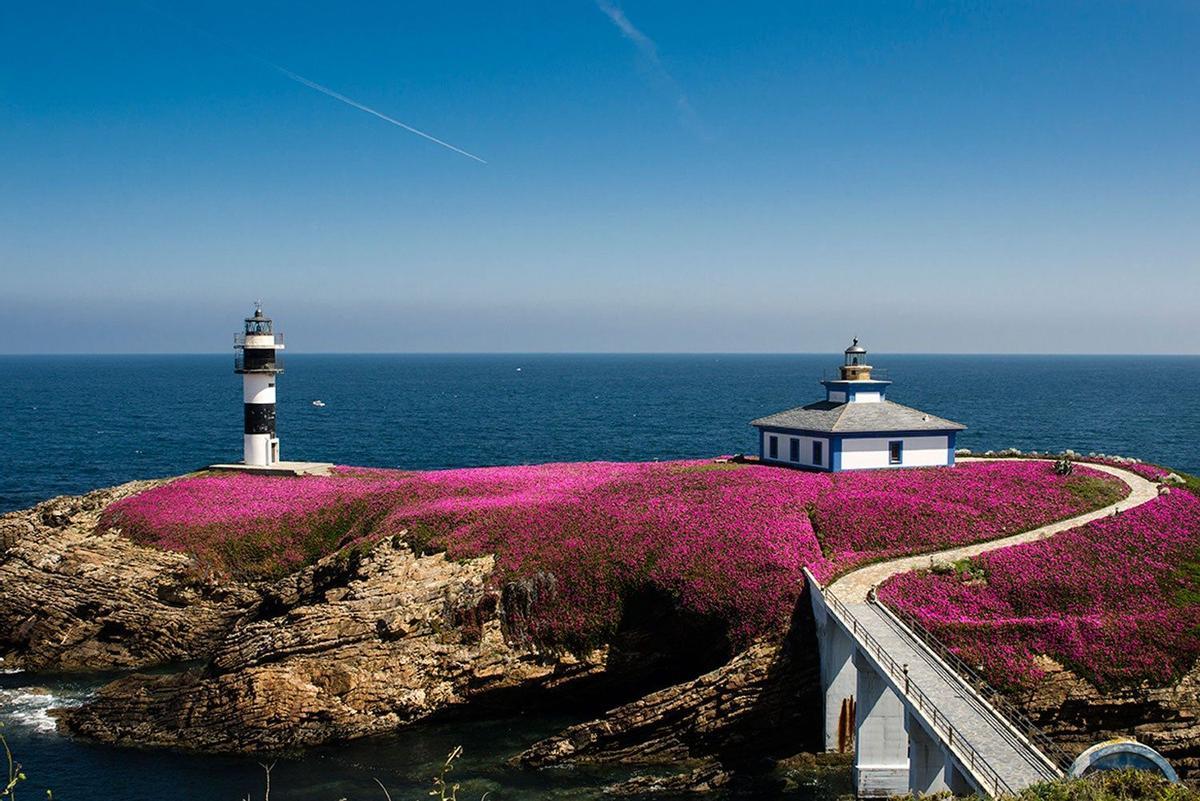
818,456
894,451
773,447
795,450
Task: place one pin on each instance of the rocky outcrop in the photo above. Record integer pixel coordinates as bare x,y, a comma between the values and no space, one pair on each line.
760,706
359,644
75,599
1077,715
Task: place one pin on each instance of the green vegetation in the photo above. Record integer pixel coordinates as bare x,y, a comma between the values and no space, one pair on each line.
1117,785
15,774
708,467
1093,490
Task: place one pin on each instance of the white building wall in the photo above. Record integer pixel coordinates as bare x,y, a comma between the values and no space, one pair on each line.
862,453
867,397
836,396
785,449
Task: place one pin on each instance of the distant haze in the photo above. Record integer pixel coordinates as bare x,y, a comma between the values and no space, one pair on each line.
671,177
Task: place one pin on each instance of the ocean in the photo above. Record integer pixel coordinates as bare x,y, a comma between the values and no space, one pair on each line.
74,423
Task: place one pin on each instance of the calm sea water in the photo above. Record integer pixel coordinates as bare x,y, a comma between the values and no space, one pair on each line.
75,423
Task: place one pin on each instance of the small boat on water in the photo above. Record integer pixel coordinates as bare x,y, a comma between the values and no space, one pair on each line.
318,403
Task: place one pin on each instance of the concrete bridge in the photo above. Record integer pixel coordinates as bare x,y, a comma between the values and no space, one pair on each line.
914,719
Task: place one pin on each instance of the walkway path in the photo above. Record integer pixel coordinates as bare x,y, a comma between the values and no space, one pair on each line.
1011,758
854,586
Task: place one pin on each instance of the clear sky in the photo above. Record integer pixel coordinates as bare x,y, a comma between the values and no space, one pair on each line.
693,176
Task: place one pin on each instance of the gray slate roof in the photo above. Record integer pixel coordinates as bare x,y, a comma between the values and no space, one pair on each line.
857,418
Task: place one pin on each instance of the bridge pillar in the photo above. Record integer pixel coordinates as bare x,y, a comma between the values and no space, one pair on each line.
881,738
838,683
957,781
927,761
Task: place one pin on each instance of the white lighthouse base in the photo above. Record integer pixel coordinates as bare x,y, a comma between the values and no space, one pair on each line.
260,449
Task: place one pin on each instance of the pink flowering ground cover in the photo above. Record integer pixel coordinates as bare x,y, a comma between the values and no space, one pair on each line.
724,540
887,513
1117,600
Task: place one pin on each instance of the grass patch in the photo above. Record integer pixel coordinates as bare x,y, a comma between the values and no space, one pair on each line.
711,467
1116,785
1096,491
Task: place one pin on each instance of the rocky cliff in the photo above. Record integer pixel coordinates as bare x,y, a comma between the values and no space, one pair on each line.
73,599
359,644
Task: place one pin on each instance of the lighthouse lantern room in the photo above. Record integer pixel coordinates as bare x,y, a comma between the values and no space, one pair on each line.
257,358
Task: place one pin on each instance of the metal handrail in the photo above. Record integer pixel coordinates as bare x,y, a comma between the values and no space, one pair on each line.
993,697
954,738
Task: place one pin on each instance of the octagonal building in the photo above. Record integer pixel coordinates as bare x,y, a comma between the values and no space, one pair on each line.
856,427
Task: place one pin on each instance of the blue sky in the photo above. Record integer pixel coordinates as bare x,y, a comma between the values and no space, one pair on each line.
660,176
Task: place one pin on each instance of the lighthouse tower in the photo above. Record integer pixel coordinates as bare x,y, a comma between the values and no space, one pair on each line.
256,357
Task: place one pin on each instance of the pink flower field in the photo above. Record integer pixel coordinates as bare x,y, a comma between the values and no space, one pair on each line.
887,513
1117,600
724,540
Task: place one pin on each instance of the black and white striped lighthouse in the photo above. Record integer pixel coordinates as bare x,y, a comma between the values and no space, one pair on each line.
256,356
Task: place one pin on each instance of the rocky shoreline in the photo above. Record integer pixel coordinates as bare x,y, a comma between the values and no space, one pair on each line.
379,637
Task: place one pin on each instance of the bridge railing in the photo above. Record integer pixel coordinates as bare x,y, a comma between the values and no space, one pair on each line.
994,698
953,737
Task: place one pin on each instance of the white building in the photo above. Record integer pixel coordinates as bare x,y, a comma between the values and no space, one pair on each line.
856,427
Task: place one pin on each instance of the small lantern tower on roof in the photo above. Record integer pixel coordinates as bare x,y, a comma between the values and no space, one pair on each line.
854,383
256,357
855,367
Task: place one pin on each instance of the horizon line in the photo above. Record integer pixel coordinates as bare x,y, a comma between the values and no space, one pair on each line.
602,353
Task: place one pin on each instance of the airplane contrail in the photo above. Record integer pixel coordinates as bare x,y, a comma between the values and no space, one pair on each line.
300,79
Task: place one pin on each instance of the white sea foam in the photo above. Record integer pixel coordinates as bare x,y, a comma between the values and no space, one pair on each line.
29,708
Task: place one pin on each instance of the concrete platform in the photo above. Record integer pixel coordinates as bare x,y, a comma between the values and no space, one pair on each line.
279,468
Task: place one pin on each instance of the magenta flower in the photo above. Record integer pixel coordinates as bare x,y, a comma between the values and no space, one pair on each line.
725,541
1114,600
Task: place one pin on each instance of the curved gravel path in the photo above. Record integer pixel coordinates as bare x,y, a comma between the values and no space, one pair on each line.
855,585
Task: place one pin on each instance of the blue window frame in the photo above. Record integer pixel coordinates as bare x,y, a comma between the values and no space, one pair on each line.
895,451
794,450
773,447
818,452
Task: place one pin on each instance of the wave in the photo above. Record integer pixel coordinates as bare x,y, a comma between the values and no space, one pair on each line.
29,708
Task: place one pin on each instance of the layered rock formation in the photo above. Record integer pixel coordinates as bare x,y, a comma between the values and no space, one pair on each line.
737,720
72,599
359,644
1077,715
